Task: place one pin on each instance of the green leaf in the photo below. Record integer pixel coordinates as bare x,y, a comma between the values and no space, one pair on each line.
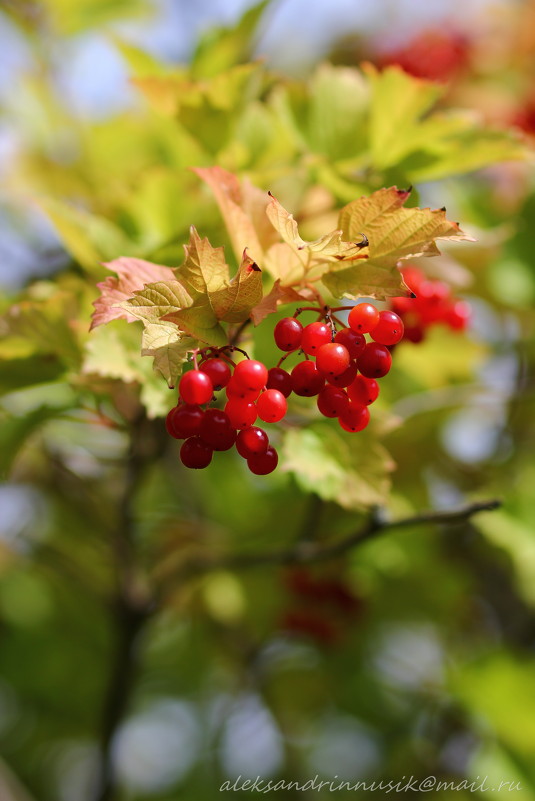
46,323
113,352
204,269
429,147
234,302
169,348
352,470
156,300
337,112
221,48
203,296
89,238
394,233
398,101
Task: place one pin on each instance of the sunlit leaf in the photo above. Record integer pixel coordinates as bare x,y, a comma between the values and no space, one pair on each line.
132,274
394,233
352,470
169,348
243,208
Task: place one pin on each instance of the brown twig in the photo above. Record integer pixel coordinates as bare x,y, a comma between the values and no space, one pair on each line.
304,552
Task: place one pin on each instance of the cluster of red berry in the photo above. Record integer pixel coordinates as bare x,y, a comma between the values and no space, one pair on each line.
433,304
212,429
346,367
320,608
342,373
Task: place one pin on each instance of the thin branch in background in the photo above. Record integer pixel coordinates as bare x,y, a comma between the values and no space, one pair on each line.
304,552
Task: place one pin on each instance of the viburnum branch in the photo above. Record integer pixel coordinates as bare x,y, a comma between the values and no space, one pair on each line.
305,552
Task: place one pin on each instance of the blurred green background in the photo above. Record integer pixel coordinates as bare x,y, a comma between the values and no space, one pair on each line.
138,659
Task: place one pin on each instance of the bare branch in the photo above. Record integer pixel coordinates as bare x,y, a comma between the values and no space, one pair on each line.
304,552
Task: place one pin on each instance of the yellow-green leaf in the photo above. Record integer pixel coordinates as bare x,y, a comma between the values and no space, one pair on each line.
234,302
394,233
351,469
329,247
169,348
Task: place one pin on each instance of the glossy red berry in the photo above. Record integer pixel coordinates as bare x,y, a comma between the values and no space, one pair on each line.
375,361
184,421
332,401
196,453
195,387
314,336
288,333
271,406
352,340
235,390
241,413
354,418
332,359
345,378
250,375
363,318
279,379
218,371
216,430
363,391
252,441
389,329
307,379
169,423
263,463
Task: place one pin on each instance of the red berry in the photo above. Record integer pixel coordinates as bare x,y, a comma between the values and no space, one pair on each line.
458,315
314,336
241,413
184,421
169,425
218,371
389,329
363,391
263,463
195,453
332,359
250,375
352,340
332,401
287,334
195,387
252,441
414,333
307,379
363,318
216,430
234,391
271,406
279,379
345,378
355,417
375,361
